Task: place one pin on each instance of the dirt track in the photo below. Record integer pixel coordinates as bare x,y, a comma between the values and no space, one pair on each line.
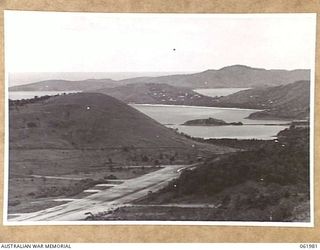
107,199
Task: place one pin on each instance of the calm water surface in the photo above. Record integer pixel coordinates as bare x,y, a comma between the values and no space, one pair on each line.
219,91
174,115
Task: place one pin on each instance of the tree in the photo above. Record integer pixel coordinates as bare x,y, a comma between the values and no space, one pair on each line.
172,159
145,158
156,162
31,125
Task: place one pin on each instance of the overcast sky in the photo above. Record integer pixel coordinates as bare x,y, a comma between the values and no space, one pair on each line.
96,42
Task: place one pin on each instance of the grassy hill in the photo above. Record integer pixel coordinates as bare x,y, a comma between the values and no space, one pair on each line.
228,77
87,129
289,101
153,93
86,120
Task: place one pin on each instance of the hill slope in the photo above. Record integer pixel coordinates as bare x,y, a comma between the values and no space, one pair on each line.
231,76
87,120
153,93
259,184
287,101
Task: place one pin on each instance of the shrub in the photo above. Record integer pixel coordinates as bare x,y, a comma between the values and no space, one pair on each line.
111,177
31,125
14,203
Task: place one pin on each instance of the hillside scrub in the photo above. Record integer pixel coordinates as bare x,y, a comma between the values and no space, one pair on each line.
269,183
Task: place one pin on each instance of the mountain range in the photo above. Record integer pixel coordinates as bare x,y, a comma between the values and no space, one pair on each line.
227,77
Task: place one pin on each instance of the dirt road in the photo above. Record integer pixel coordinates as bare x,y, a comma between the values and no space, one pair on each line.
105,200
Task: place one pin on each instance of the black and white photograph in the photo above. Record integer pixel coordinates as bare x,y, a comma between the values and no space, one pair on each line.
140,118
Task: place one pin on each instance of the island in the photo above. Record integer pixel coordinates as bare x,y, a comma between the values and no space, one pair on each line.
210,122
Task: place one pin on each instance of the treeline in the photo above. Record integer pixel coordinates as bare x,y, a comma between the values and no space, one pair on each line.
246,144
35,99
29,101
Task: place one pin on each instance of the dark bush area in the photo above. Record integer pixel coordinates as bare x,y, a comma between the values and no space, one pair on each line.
269,182
14,203
284,164
70,190
248,144
111,177
31,125
22,102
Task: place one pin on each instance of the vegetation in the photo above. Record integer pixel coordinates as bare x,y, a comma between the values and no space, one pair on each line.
210,122
245,144
273,179
290,101
286,164
157,93
15,103
67,191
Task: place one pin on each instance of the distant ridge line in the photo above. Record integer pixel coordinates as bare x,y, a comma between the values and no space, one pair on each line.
225,77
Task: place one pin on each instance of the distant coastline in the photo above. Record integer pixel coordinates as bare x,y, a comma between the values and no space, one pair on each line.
21,78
